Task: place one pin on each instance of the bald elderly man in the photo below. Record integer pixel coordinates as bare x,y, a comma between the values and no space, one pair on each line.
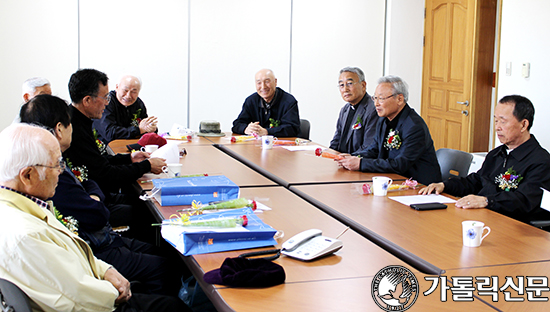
268,111
126,116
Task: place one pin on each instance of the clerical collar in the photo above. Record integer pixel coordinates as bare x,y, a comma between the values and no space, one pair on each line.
358,103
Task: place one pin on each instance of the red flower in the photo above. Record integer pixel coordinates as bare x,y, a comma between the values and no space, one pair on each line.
507,176
76,173
245,220
390,140
318,151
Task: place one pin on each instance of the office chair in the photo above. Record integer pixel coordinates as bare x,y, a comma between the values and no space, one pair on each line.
453,163
541,224
304,129
12,298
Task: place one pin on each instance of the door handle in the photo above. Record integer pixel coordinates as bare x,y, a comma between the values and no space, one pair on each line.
464,103
465,112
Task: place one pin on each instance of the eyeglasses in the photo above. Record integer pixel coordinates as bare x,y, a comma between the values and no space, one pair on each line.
348,84
381,99
61,166
106,98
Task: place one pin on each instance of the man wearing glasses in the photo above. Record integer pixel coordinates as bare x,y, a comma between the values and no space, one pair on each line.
89,93
53,266
356,123
402,143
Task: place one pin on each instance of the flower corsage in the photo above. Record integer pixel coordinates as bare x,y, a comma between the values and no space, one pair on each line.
274,123
358,124
135,119
100,145
81,172
508,180
69,222
393,140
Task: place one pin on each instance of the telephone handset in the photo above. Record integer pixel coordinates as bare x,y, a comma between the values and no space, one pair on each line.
310,245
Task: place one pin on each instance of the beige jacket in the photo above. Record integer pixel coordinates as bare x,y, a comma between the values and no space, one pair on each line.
54,267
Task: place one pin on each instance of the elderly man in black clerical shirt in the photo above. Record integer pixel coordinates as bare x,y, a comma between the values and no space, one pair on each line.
510,179
268,111
356,125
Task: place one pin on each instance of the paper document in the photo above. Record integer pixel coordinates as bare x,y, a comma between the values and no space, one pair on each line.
422,199
294,148
545,203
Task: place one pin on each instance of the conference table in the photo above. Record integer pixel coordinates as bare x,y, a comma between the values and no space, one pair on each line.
306,191
340,282
433,235
295,167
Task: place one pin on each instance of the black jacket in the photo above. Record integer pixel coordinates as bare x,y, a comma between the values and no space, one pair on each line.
284,108
415,158
110,172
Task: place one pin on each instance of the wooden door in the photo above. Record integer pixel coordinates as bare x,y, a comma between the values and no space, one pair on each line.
458,71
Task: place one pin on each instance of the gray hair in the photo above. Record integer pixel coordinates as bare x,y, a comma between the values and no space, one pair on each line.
31,84
399,86
355,70
22,148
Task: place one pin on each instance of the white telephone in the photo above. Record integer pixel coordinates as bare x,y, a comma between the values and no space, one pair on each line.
310,245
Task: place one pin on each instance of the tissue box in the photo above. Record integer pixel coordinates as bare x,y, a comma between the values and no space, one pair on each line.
183,191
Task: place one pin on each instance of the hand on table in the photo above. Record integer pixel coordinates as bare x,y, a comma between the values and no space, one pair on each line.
255,128
349,162
472,202
434,187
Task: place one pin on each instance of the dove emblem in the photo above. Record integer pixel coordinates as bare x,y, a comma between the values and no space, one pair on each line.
395,288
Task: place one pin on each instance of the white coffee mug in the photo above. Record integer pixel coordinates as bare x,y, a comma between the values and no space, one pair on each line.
267,141
380,185
173,170
149,148
472,233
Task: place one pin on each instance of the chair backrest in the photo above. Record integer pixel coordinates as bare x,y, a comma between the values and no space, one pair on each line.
453,163
12,298
304,129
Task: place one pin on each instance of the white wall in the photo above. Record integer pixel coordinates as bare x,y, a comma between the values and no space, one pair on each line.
39,38
143,38
305,42
404,42
524,38
327,36
230,41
